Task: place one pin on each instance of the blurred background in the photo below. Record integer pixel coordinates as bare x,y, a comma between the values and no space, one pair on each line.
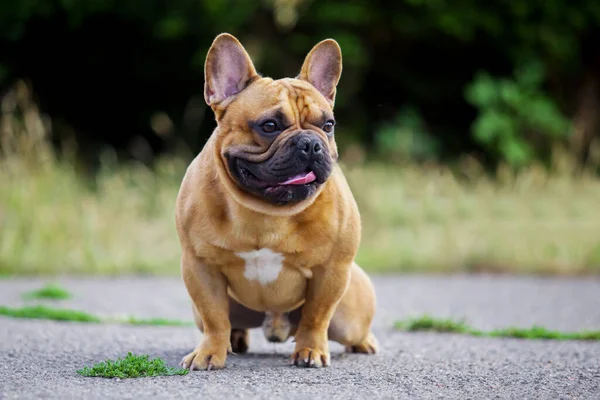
469,131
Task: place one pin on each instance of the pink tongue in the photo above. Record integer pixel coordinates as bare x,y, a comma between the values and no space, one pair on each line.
301,179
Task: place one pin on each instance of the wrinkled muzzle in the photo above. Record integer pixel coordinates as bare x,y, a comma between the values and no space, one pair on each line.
292,172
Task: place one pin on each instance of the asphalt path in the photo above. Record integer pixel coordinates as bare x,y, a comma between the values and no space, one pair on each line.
39,359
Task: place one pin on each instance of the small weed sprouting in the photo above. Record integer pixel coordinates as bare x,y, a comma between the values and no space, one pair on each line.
48,292
156,322
428,323
132,366
43,312
537,332
63,314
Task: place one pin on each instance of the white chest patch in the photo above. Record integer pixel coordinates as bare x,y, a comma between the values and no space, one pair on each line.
262,265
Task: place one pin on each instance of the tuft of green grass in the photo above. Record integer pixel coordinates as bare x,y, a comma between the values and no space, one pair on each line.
156,322
62,314
428,323
48,292
537,332
43,312
132,366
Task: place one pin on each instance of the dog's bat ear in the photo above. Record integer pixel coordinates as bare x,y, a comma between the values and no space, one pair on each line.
323,68
228,69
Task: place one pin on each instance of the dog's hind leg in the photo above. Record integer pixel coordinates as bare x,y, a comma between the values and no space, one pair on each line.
351,322
242,319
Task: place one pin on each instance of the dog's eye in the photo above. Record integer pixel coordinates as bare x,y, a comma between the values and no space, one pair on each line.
269,126
328,127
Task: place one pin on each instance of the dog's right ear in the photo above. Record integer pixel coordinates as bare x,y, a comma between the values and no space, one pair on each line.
227,71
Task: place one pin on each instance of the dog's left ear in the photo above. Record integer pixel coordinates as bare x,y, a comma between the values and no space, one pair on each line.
228,69
323,68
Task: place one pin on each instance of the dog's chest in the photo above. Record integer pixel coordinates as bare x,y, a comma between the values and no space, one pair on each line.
262,265
267,280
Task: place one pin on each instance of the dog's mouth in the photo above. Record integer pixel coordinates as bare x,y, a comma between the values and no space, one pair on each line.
279,184
303,178
293,172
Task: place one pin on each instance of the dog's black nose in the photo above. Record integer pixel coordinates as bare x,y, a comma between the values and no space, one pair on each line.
309,145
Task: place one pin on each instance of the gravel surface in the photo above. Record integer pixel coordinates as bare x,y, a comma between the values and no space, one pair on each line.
38,359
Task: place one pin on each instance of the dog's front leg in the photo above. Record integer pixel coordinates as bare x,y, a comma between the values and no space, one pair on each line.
325,290
208,289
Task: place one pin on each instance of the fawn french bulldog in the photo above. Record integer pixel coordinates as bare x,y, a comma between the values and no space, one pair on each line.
268,226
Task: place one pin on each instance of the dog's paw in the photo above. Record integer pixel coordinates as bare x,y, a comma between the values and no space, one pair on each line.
368,346
311,358
206,357
240,340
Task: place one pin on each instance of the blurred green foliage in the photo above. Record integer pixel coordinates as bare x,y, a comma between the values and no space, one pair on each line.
406,138
514,114
490,78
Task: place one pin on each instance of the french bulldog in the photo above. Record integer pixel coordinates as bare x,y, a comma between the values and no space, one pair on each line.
268,226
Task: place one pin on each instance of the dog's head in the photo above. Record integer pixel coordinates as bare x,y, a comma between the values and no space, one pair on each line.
275,138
